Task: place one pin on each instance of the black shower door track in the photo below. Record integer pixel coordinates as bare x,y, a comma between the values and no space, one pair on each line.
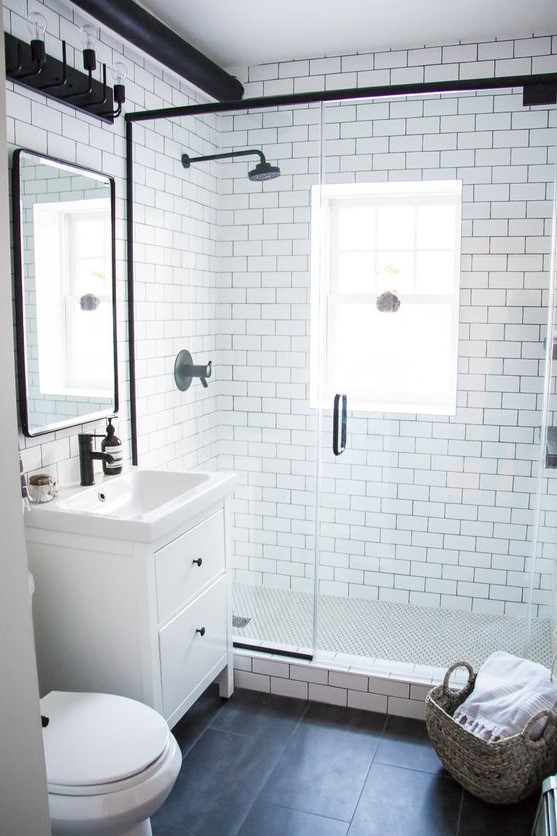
540,89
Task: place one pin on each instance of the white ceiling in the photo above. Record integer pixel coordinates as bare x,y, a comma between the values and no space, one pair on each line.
240,32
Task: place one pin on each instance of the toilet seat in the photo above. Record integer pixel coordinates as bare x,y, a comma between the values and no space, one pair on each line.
100,743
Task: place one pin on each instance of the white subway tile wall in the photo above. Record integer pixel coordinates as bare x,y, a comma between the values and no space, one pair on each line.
420,509
175,267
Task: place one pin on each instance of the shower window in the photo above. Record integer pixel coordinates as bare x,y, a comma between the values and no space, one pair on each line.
386,269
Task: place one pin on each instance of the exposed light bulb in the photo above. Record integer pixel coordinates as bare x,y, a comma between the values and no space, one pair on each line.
89,38
37,27
120,72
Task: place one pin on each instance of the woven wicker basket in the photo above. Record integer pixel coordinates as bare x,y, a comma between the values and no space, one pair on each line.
501,773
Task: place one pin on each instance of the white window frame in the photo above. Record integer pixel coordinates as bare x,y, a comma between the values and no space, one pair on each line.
324,297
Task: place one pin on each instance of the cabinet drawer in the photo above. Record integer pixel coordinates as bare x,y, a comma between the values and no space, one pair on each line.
188,563
192,644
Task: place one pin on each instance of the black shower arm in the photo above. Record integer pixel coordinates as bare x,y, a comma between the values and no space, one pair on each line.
186,159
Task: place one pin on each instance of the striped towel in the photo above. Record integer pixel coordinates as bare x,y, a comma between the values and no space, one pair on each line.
508,691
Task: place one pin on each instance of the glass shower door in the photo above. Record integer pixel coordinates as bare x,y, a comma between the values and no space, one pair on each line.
434,523
269,426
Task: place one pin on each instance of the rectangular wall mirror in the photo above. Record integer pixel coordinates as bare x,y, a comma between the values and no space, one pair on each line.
65,293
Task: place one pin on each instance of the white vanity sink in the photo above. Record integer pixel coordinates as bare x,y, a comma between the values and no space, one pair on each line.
141,505
132,587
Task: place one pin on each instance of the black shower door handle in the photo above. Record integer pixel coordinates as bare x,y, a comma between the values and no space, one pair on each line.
339,427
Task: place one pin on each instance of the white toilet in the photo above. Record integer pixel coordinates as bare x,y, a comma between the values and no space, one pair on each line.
110,763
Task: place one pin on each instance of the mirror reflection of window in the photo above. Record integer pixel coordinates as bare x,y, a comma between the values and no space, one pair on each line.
73,256
88,323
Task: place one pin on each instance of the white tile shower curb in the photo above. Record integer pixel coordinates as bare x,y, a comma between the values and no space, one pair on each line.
399,690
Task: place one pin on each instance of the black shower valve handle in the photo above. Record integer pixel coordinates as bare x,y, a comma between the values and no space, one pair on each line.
185,371
202,372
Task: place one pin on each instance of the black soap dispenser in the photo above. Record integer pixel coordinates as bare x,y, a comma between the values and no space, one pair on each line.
112,445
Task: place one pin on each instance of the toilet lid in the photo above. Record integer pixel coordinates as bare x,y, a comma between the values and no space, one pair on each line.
99,738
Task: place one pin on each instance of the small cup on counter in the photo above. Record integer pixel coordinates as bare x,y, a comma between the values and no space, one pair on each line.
41,487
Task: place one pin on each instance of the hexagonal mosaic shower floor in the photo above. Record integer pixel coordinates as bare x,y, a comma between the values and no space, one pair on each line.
380,630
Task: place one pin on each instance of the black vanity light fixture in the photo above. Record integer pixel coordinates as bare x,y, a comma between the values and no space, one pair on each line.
262,171
28,64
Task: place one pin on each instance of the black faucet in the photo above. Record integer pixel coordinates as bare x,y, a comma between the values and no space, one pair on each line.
86,457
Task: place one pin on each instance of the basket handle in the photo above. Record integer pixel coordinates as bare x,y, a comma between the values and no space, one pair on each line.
548,730
450,672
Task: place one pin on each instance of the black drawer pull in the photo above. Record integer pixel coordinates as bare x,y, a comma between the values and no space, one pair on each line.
198,561
201,631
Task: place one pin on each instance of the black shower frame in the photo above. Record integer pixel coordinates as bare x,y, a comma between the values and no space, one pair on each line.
538,90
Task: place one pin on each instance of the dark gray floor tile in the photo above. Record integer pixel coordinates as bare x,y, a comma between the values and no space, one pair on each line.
400,802
326,761
481,819
260,715
260,765
339,717
199,717
273,820
220,779
405,742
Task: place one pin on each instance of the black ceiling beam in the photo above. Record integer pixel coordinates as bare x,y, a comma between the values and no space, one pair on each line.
146,32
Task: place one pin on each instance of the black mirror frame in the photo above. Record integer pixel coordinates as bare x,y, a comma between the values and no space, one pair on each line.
20,302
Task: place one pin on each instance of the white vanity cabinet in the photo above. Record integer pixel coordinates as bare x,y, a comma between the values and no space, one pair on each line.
148,620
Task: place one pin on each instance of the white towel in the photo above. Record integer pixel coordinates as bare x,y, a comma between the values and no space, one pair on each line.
508,691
